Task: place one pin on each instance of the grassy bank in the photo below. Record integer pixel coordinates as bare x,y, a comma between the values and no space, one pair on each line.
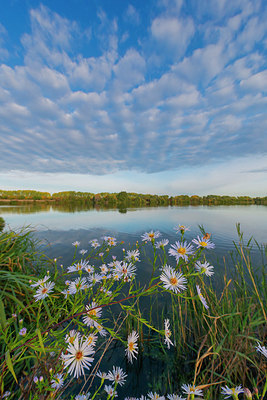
209,341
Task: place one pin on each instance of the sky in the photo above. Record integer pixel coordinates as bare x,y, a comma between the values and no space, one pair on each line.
155,96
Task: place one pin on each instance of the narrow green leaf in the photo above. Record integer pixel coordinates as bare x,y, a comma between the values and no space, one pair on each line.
10,365
2,314
40,339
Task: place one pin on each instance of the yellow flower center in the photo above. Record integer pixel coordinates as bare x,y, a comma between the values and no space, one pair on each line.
79,355
90,339
181,250
173,281
131,346
203,244
92,312
44,290
71,339
151,235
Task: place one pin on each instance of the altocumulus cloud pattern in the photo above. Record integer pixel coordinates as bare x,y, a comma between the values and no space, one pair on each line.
149,88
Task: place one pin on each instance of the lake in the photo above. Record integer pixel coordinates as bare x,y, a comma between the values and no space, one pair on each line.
60,225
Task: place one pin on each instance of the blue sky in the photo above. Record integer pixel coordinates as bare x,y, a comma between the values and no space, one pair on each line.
166,96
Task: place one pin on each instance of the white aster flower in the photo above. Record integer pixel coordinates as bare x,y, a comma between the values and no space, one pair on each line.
89,268
114,263
66,293
71,336
126,270
262,349
78,358
78,285
117,376
99,329
76,244
181,228
202,298
168,333
181,250
94,243
131,398
162,243
82,396
43,291
172,280
92,311
175,397
103,269
203,243
91,339
133,255
57,381
83,252
111,241
192,389
132,347
110,391
150,236
79,266
155,396
95,278
229,392
101,375
41,282
204,268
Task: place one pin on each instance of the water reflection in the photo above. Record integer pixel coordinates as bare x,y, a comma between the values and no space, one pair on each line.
219,220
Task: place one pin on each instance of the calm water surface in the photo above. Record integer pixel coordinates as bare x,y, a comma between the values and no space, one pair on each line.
60,227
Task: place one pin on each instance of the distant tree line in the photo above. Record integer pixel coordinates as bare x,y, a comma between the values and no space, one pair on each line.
124,199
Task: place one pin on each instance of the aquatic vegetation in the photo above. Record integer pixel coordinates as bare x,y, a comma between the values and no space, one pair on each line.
58,325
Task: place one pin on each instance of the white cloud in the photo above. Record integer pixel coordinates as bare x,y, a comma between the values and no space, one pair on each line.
130,69
132,15
63,111
173,34
4,53
256,82
231,177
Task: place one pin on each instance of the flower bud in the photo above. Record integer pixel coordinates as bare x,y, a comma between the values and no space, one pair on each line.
247,394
